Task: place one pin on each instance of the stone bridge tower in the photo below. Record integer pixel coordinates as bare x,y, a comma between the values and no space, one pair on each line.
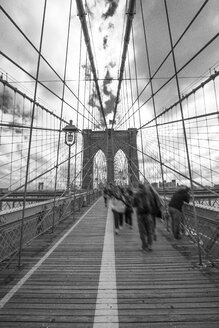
109,141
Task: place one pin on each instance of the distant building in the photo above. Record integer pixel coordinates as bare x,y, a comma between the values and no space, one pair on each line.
166,184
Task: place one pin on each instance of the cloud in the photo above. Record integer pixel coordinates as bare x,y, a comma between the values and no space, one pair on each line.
14,110
110,104
112,6
107,81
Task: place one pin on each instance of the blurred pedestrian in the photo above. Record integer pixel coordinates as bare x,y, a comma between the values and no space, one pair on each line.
128,194
118,209
144,218
156,206
176,210
105,194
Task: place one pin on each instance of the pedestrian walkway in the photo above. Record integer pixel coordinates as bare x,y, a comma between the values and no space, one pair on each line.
93,278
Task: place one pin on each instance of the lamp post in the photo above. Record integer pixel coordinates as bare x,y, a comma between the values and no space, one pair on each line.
70,138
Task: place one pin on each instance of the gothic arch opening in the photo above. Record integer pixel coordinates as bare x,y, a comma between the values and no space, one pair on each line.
121,168
99,170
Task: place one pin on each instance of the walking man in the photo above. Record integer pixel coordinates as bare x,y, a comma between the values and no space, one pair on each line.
175,209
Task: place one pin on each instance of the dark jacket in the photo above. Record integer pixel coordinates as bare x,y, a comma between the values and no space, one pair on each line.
179,198
141,202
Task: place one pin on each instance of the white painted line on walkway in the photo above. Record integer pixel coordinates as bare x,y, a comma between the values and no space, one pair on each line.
106,312
11,293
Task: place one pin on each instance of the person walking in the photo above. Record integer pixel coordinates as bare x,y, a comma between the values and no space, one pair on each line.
105,193
144,218
156,205
128,194
118,209
176,210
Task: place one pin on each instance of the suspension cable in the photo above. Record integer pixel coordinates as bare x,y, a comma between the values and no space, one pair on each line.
212,77
152,92
62,107
178,71
137,89
130,16
39,82
40,54
82,14
30,136
168,54
184,132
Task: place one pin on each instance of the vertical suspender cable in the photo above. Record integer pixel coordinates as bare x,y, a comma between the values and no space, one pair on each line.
123,103
85,89
30,136
22,139
12,140
215,95
62,105
181,36
130,83
206,120
152,93
76,144
127,95
197,133
89,93
184,132
137,89
3,102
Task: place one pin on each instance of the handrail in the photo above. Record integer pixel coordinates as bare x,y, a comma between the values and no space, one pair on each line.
38,219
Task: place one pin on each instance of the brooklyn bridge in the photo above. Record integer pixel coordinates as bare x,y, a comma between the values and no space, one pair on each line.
97,93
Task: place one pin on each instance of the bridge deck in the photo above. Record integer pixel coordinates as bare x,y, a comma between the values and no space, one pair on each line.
91,278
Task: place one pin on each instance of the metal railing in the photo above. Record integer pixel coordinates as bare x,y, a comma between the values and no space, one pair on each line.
203,230
38,219
206,229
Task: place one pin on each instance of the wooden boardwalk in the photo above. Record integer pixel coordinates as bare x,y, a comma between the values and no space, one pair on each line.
93,278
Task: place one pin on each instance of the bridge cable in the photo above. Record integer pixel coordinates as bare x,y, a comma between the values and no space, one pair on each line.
168,54
152,92
85,93
173,170
178,71
92,39
137,91
130,83
212,77
82,14
184,132
30,136
50,66
130,16
39,82
62,107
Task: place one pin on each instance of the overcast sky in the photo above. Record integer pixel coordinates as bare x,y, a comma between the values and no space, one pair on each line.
105,20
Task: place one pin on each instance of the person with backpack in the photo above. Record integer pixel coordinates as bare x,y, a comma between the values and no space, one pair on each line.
118,208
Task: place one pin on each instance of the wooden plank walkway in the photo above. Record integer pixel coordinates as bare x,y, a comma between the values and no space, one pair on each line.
93,278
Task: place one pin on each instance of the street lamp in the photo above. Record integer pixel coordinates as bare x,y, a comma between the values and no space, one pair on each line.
70,138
